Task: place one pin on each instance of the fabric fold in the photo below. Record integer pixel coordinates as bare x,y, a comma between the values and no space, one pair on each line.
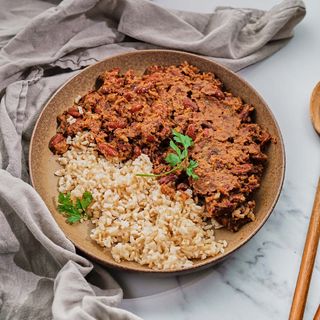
227,33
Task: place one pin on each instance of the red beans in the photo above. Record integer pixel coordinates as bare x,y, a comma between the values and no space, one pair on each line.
137,151
167,179
107,150
136,108
188,103
119,124
151,138
191,131
73,111
55,139
58,144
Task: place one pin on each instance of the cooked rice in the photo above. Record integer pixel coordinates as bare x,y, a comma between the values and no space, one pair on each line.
132,217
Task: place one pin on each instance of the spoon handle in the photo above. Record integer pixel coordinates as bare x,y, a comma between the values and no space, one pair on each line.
317,315
307,261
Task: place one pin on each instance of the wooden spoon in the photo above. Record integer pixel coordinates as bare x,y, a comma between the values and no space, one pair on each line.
312,239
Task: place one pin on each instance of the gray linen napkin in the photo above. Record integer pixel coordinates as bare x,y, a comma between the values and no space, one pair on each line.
41,276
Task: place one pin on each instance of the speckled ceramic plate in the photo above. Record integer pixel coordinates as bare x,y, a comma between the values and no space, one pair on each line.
43,163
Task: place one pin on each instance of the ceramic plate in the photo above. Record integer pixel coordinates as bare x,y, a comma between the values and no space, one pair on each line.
43,163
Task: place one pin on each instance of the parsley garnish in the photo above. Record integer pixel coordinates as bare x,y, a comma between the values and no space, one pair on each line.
178,160
74,212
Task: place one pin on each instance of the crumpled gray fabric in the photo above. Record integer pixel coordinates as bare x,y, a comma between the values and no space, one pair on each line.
43,44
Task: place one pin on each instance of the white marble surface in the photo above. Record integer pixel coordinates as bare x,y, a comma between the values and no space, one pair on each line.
258,281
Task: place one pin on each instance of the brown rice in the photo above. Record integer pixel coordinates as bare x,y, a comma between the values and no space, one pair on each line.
132,217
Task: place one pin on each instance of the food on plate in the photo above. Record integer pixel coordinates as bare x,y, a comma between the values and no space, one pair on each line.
131,216
177,135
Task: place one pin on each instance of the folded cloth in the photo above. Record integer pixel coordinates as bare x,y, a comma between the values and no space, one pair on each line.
41,275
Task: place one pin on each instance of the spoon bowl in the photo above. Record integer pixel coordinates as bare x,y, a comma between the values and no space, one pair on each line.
315,108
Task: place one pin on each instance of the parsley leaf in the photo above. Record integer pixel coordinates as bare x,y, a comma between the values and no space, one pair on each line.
175,148
185,140
184,154
172,159
73,219
192,165
180,159
86,200
74,212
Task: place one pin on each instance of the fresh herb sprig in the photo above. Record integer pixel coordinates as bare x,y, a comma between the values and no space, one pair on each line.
74,212
178,160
